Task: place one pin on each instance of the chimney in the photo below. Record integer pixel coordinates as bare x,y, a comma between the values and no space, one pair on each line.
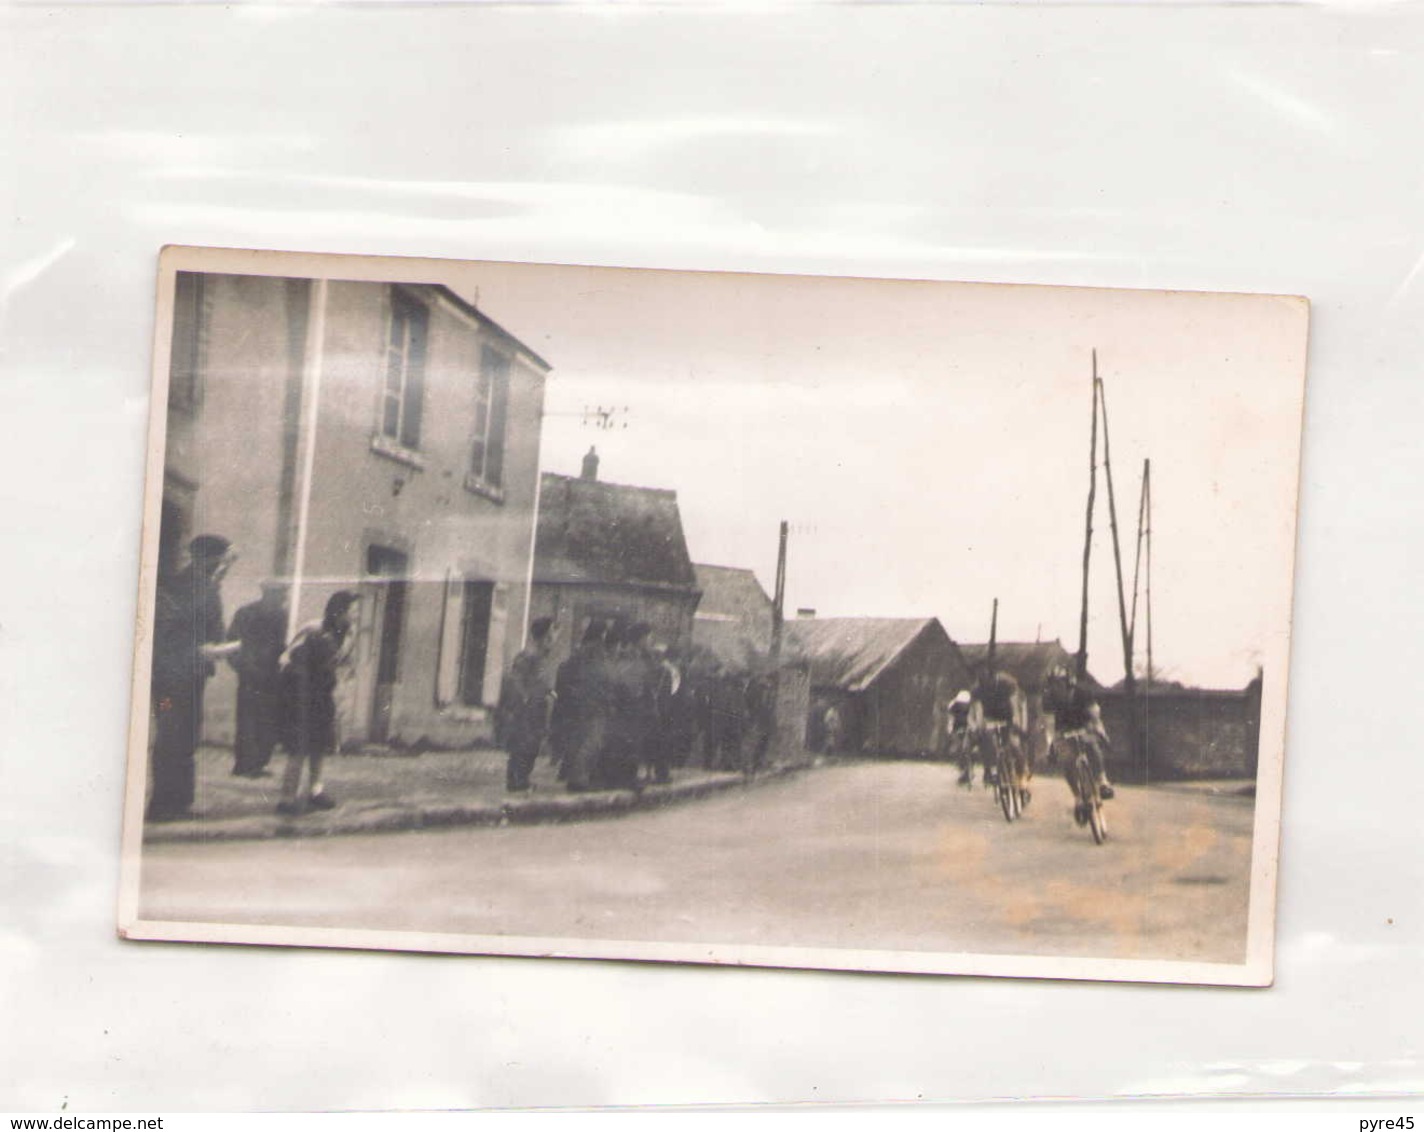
590,464
805,614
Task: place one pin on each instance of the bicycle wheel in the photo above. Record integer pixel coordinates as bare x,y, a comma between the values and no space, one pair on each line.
1096,818
1085,786
1008,784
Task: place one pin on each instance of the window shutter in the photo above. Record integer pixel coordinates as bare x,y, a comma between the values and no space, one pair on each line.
392,394
447,664
477,447
494,654
414,380
499,412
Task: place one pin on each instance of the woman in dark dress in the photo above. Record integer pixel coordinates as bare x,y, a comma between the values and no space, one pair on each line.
309,703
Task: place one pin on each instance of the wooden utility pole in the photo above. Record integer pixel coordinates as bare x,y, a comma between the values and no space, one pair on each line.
778,603
993,635
1129,679
1142,708
1137,557
1088,537
1147,495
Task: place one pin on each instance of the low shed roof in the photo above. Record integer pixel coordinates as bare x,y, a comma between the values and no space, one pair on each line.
851,652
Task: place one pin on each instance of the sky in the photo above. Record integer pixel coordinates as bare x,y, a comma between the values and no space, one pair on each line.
930,453
928,443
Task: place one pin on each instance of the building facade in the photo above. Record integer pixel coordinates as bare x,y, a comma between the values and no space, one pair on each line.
734,619
371,436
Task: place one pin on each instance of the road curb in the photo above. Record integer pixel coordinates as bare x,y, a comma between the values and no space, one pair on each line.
383,817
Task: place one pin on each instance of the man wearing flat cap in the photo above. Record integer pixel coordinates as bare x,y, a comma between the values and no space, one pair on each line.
260,629
188,637
525,702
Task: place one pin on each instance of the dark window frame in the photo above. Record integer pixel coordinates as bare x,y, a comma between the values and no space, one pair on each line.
399,417
488,447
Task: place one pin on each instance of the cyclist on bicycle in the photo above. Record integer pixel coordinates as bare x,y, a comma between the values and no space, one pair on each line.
1005,714
1076,714
958,737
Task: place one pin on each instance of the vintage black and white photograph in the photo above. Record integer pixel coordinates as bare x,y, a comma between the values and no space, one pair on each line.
793,621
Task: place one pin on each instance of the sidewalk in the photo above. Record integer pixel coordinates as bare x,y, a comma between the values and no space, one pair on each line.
385,791
1226,787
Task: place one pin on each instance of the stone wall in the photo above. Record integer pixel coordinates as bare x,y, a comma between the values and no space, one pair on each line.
1185,733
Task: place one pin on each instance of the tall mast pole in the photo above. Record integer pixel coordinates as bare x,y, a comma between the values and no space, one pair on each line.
1117,549
1137,558
1088,537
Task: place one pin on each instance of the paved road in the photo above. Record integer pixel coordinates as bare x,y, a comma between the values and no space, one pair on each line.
879,856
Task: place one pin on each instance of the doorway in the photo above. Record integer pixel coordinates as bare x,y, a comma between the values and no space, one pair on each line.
474,641
387,586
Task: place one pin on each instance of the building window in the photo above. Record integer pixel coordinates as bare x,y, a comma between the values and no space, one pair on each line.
186,363
404,392
475,641
491,412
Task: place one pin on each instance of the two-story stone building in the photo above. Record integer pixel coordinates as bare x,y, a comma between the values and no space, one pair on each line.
367,435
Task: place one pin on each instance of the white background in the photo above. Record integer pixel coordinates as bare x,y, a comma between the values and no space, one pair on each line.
1247,148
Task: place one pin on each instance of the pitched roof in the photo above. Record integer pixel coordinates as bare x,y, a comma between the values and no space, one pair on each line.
730,591
610,534
472,311
852,652
733,619
1029,662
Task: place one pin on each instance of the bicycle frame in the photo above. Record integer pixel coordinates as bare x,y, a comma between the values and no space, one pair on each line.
1083,780
1009,789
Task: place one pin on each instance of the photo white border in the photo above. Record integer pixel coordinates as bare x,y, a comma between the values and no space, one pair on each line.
1255,971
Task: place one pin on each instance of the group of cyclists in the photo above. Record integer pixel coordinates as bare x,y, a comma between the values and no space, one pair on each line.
988,725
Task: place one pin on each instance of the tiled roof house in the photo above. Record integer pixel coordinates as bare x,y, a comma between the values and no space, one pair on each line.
606,549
